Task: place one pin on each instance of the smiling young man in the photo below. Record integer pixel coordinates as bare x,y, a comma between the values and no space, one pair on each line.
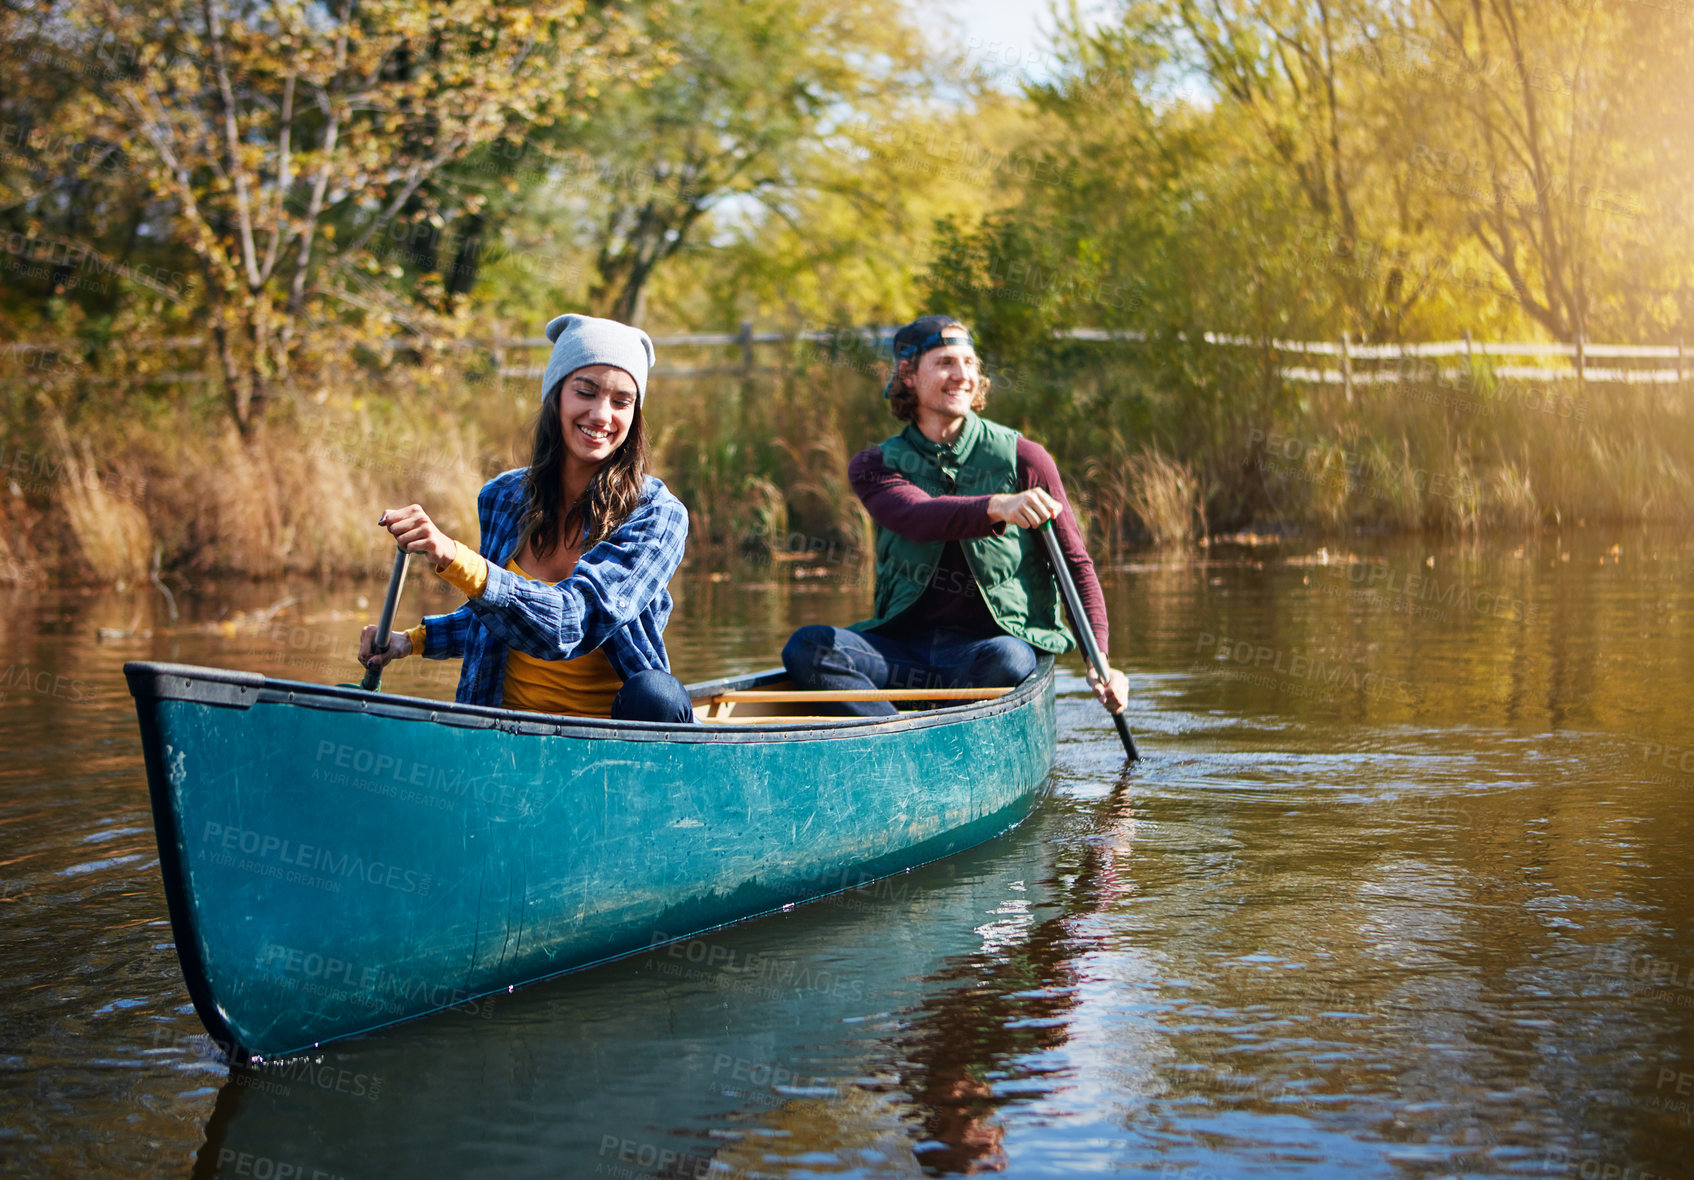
964,594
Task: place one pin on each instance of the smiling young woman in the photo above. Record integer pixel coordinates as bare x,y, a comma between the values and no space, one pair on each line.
587,469
566,601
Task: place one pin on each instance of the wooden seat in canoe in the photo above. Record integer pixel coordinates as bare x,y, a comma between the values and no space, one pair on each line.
792,704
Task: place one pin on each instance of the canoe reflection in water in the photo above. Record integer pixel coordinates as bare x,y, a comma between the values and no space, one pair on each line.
885,1052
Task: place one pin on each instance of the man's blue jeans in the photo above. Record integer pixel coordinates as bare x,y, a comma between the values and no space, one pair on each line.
823,657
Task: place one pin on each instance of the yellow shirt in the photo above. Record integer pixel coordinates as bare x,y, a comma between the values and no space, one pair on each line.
581,687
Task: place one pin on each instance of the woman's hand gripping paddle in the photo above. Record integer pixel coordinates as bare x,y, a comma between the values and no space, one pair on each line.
396,580
1073,602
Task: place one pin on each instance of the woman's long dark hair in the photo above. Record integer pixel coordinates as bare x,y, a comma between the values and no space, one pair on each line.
605,503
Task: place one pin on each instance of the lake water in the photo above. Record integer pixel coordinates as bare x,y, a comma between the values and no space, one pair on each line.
1402,887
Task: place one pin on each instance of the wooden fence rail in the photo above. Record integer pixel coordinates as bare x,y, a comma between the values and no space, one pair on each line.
1360,363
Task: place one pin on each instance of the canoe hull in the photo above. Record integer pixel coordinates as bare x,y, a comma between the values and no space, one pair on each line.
337,860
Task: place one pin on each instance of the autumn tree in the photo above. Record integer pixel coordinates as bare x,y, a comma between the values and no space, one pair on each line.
1456,158
1566,154
762,99
282,140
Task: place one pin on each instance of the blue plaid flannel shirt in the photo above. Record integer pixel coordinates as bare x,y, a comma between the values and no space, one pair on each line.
616,596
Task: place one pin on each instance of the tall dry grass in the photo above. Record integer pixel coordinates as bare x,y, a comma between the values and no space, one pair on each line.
762,459
1165,495
1475,457
111,534
301,498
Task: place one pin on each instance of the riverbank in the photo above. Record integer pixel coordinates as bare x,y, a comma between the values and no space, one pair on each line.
130,486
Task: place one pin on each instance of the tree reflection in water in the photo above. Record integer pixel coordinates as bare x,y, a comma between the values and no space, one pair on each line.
993,1010
1010,1001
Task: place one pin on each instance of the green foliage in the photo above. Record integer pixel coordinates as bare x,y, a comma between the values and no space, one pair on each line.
305,185
272,148
748,124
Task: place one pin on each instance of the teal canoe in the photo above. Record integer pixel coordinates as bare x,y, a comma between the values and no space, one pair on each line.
337,860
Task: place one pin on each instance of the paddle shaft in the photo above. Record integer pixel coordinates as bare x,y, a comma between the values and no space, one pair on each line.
1085,633
396,579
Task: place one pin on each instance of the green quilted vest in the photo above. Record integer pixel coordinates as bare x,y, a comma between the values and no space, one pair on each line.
1011,570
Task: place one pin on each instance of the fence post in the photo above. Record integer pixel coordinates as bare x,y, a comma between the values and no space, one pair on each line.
745,339
499,354
1346,368
1581,366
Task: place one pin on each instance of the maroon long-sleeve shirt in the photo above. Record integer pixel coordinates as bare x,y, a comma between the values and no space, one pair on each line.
952,598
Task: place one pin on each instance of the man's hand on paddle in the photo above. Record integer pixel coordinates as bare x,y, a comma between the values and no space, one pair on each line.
415,532
1114,693
1027,510
1030,510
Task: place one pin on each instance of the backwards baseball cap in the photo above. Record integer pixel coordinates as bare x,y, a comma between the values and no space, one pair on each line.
921,335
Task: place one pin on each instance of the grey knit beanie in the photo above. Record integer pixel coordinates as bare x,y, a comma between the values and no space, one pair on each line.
580,340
